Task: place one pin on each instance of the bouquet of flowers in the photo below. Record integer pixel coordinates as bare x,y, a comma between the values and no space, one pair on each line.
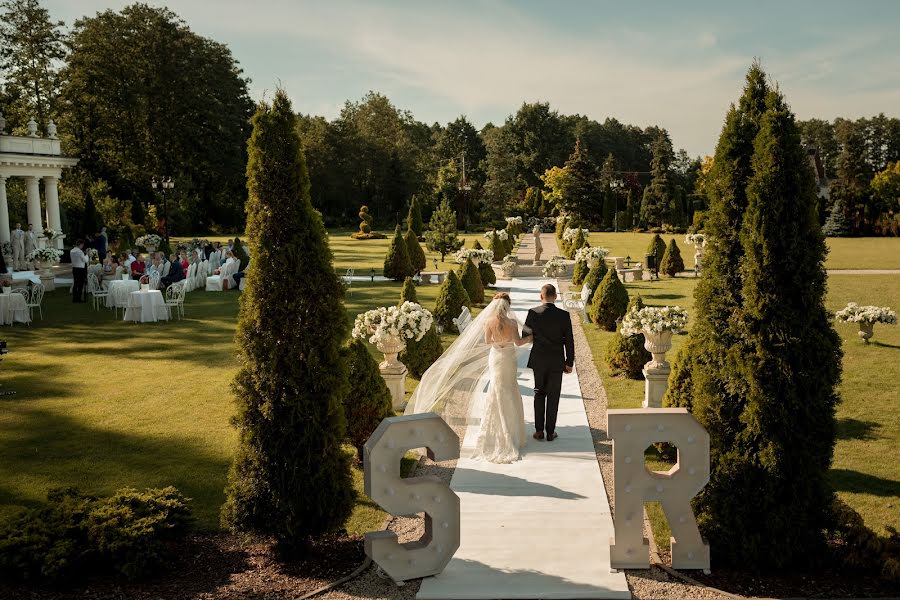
654,319
51,234
151,239
51,255
514,220
570,233
854,313
589,253
93,254
695,239
477,256
409,321
554,267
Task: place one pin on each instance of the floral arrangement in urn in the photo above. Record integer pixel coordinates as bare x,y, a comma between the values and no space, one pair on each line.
866,316
554,267
50,255
654,319
591,255
409,321
570,233
151,240
695,239
477,256
51,234
501,233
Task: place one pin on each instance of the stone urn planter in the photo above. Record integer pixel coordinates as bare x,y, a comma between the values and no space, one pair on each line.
866,330
150,248
390,347
658,344
507,270
393,371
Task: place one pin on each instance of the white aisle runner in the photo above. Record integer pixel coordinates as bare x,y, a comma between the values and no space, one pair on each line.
541,527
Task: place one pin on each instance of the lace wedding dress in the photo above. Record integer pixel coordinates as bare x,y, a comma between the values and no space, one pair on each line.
502,434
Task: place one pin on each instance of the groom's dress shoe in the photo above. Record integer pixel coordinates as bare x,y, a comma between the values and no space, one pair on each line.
551,436
538,435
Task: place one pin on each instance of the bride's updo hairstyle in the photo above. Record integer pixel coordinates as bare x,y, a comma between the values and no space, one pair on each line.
502,296
500,321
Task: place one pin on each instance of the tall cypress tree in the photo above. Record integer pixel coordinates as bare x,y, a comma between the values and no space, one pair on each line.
291,476
397,265
656,207
583,195
414,218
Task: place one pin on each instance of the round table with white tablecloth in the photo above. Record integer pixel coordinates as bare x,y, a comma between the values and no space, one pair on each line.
146,306
14,309
130,285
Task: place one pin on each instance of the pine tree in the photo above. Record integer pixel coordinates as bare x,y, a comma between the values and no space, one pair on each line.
658,199
397,265
631,209
471,280
594,277
626,355
441,236
368,401
292,378
451,298
583,195
609,302
414,217
672,262
837,224
579,272
408,293
415,252
419,355
486,271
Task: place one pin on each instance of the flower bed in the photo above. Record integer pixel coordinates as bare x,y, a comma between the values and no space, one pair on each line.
854,313
409,321
654,319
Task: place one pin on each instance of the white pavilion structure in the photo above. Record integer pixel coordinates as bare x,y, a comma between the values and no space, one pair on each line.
34,159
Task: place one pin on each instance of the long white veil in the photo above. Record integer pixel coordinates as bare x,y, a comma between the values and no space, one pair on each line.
449,385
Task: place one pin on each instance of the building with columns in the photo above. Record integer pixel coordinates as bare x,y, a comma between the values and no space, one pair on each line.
33,159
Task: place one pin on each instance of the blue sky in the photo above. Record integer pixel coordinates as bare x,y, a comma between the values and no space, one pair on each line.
674,64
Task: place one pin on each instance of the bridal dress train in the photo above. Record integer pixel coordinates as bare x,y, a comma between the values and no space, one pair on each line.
502,434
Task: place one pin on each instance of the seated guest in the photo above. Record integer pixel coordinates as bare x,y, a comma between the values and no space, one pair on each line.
176,273
185,263
207,251
229,258
108,269
128,258
138,267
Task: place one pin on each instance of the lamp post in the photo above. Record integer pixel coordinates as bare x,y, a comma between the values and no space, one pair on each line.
164,185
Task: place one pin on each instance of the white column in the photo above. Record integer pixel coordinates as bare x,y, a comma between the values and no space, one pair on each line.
4,212
33,194
51,196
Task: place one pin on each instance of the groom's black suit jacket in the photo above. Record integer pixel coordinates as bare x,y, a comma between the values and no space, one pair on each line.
552,330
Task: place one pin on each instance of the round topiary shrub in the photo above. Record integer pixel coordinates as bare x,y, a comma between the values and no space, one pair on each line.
580,272
420,355
396,264
368,401
593,279
610,302
626,355
451,298
672,262
414,249
471,280
408,293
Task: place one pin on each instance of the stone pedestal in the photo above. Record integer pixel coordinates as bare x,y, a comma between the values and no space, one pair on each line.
46,276
395,378
656,379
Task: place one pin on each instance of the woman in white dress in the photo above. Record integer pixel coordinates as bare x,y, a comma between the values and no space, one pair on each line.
484,352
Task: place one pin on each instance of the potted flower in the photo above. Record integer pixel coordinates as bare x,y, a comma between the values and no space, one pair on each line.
508,266
657,323
866,316
570,233
150,241
591,255
6,284
555,267
477,256
698,241
44,256
390,327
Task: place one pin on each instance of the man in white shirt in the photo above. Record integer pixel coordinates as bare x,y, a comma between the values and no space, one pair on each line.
80,263
18,248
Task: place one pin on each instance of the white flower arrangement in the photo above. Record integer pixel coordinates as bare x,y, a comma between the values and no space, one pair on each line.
514,220
197,244
477,256
589,253
695,239
151,239
51,255
554,267
570,233
52,233
93,254
408,321
854,313
501,233
654,319
562,218
510,259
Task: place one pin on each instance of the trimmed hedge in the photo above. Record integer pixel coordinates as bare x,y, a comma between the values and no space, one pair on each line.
368,400
580,272
414,251
672,262
471,280
609,302
420,355
626,355
408,293
593,279
451,298
397,265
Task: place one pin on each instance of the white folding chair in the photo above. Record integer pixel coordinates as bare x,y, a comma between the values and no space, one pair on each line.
175,298
96,291
348,281
120,299
189,278
154,280
37,297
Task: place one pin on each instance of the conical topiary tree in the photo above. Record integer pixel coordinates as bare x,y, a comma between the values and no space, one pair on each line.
471,280
657,247
497,246
292,379
397,265
593,279
408,293
488,277
368,402
414,250
579,272
609,302
420,355
451,298
626,355
672,262
414,217
441,236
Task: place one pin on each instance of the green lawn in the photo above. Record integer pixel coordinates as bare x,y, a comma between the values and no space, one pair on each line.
865,470
845,253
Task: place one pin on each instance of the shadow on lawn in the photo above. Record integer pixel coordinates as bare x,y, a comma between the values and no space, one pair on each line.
846,480
854,429
44,449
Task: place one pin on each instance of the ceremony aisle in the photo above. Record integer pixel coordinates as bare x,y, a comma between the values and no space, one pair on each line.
541,527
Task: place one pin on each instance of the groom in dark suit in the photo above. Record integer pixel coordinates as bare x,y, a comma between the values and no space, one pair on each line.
552,354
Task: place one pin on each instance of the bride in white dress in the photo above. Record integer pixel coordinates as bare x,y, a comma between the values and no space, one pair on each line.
485,351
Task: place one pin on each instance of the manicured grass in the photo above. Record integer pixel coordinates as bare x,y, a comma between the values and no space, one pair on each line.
844,253
865,471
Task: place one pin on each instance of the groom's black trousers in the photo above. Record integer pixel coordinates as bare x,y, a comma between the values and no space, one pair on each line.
547,386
